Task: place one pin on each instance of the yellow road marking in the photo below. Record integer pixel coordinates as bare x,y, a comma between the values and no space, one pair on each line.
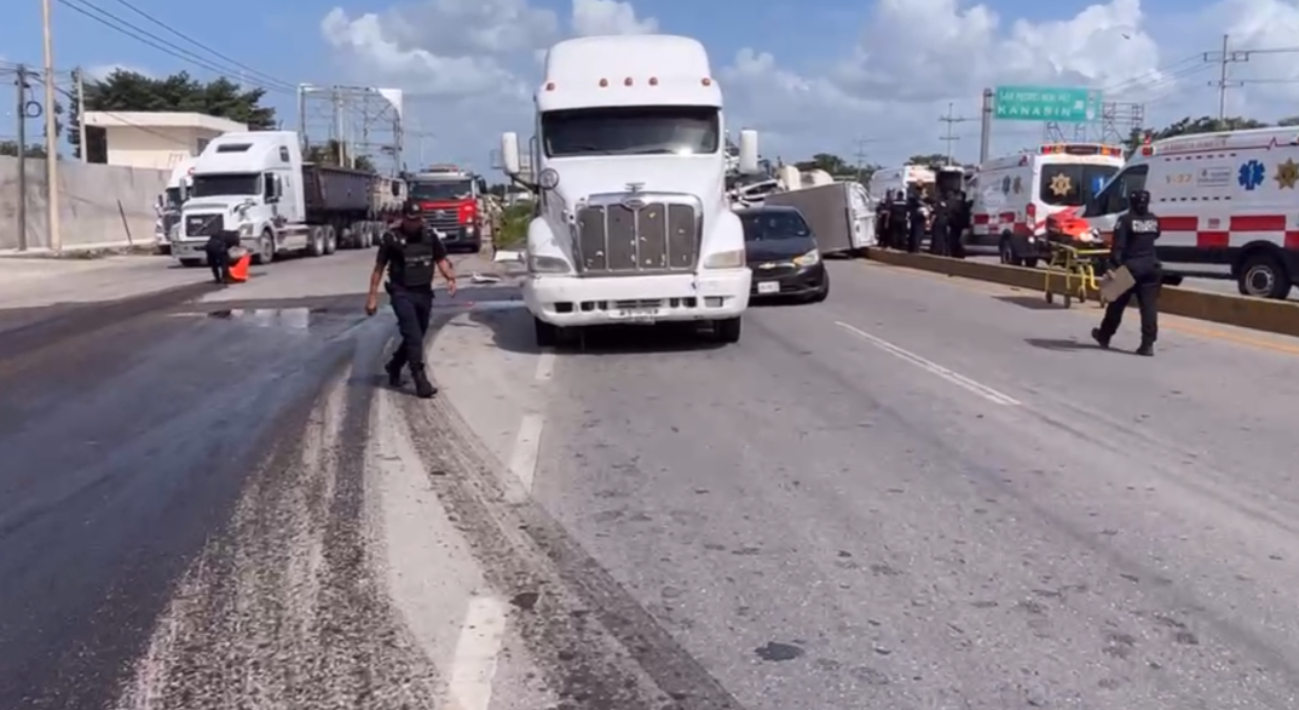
1179,325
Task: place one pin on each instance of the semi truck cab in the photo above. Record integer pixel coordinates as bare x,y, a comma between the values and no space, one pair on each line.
630,164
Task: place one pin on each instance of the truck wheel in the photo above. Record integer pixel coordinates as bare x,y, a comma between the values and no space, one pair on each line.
331,239
315,241
265,249
727,330
547,333
1262,275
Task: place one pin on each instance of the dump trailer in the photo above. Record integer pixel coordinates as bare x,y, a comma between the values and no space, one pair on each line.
354,204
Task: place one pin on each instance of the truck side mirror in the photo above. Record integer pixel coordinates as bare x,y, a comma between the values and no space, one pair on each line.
749,152
482,186
510,154
160,202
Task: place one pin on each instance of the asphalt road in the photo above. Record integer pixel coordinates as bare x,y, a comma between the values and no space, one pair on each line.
922,493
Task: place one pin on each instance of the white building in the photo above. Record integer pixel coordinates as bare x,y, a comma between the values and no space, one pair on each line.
159,140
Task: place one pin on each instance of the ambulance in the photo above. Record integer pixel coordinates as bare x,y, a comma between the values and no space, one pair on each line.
1014,195
1228,198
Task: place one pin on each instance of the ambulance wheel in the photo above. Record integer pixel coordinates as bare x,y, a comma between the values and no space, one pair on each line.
1262,275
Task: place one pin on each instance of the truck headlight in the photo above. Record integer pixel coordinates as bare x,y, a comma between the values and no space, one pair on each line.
733,259
245,230
538,264
812,258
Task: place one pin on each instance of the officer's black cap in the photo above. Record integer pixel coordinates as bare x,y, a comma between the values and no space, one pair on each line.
410,209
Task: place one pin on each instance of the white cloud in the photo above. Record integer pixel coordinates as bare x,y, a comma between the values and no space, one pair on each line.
478,62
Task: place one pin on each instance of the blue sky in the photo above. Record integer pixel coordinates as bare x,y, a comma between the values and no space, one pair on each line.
815,93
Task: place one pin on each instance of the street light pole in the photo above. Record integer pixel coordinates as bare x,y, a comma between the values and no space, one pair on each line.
51,136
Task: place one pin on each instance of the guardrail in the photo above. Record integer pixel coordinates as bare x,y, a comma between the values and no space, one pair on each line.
1280,317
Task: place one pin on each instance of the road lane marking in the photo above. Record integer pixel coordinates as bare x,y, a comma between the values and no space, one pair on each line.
527,447
545,366
477,651
1180,325
934,368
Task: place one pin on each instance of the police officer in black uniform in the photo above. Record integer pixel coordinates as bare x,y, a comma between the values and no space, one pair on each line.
410,252
941,227
1134,247
882,229
960,223
916,220
898,221
217,250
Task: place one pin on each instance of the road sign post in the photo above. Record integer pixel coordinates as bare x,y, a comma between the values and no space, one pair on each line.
1045,104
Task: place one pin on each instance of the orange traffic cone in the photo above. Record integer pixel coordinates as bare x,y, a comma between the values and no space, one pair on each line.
239,269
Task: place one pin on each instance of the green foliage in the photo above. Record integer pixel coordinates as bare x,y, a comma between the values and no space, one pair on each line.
10,148
126,91
327,154
514,226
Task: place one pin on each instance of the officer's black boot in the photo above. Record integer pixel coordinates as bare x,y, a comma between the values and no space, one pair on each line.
1147,349
423,388
393,368
1101,338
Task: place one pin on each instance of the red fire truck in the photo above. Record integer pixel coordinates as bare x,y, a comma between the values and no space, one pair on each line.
449,199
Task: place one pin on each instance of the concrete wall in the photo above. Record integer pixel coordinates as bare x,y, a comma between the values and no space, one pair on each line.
99,205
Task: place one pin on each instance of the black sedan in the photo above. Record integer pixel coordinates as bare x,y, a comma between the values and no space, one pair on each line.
783,255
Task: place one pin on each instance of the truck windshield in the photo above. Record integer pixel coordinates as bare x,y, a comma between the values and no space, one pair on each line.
1073,185
173,197
442,190
631,130
226,184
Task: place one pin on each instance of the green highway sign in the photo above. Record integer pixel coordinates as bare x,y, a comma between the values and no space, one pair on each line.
1045,103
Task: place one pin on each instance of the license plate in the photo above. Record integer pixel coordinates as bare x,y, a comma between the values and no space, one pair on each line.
637,314
769,287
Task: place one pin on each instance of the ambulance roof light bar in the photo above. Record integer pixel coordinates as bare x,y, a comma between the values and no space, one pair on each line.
1080,149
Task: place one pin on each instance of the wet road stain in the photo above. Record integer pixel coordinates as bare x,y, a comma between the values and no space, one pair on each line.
775,651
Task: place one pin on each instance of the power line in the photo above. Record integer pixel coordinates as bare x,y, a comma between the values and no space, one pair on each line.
951,122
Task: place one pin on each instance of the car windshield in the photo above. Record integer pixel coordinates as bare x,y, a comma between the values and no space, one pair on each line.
442,190
1073,185
631,130
226,184
774,225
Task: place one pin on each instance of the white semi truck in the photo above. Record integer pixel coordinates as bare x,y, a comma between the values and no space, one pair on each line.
633,224
257,185
170,203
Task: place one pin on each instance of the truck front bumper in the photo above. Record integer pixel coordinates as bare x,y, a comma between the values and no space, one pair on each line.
578,301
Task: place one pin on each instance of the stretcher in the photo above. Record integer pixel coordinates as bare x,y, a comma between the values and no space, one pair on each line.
1076,258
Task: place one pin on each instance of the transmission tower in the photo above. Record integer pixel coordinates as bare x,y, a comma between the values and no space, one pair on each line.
356,121
1119,121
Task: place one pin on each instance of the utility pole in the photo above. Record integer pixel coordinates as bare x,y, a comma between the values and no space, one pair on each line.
51,135
81,113
1222,59
951,122
985,128
21,113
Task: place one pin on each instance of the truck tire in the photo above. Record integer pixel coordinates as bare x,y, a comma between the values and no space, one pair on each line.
1263,275
315,241
331,239
727,330
265,249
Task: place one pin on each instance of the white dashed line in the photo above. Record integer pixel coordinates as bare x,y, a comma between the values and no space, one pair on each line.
523,460
477,650
934,368
545,366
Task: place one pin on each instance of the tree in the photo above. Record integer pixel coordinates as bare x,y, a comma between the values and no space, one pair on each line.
1289,121
928,159
130,91
327,154
10,148
832,164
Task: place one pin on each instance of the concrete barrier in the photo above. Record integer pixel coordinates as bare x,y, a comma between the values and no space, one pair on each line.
1281,317
100,206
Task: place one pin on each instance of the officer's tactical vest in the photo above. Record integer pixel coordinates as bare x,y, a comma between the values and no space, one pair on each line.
417,261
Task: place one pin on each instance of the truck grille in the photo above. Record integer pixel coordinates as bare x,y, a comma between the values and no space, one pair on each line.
616,239
204,225
443,219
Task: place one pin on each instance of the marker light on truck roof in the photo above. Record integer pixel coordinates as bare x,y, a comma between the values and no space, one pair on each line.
707,81
550,86
654,81
626,82
604,83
